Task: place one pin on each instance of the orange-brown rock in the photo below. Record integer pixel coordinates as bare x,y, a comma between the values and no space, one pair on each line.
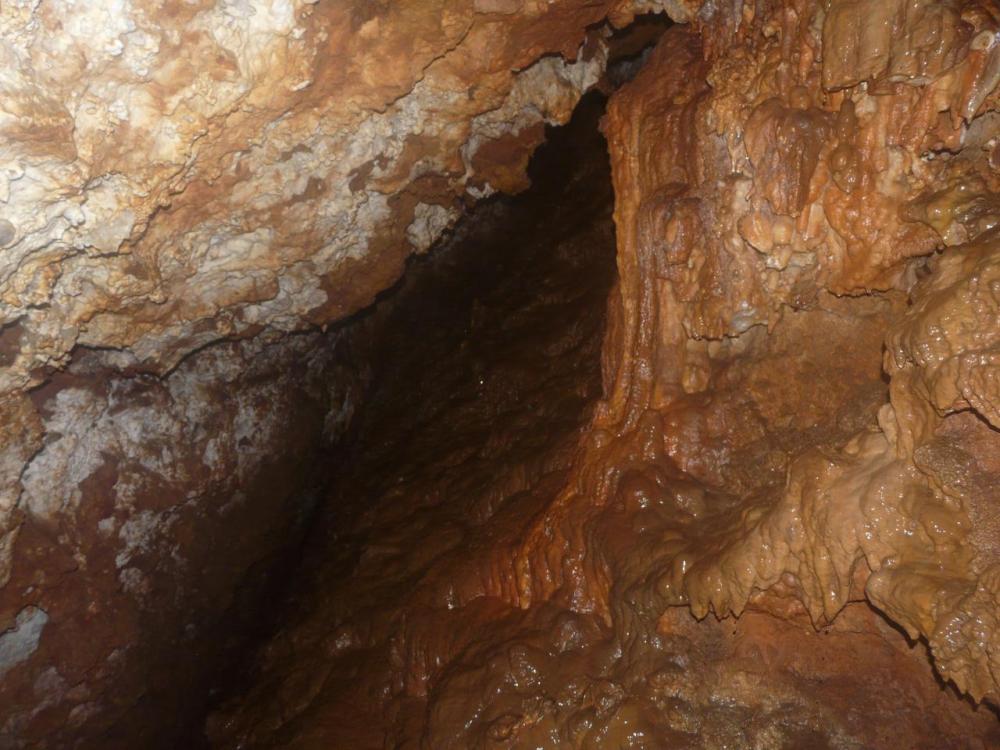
175,175
794,457
802,153
175,178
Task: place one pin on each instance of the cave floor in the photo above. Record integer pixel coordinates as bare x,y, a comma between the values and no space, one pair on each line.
485,372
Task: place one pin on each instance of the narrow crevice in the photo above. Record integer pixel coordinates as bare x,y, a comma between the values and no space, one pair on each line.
481,364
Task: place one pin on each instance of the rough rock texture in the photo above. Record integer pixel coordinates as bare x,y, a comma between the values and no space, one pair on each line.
508,319
801,376
155,512
175,175
397,634
805,210
179,173
805,151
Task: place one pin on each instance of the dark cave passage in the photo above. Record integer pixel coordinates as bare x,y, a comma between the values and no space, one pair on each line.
482,371
482,365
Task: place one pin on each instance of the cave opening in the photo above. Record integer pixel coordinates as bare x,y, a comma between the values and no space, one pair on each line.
481,366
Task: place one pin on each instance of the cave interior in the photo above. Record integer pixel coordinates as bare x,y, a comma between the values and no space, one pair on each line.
460,374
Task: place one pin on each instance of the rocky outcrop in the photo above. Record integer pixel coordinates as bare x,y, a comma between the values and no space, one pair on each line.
179,175
787,445
197,173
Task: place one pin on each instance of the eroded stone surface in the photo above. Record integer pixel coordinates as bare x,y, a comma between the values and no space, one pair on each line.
803,152
175,175
178,173
756,481
150,513
801,372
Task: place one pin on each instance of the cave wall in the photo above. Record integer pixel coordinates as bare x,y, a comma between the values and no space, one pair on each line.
808,211
189,194
157,513
801,186
181,174
798,433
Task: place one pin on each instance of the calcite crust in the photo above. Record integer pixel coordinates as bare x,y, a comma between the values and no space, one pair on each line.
813,156
801,405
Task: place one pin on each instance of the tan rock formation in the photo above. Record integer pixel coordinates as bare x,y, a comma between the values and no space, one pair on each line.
801,369
177,175
803,153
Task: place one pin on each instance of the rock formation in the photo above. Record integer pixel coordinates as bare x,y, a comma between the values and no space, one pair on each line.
177,179
818,171
801,409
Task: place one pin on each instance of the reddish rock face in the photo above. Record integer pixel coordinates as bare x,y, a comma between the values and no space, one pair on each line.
174,179
155,513
756,508
748,460
192,173
788,179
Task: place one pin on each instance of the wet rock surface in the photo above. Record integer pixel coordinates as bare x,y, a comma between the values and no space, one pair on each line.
402,632
720,242
175,179
156,514
174,175
499,333
741,495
